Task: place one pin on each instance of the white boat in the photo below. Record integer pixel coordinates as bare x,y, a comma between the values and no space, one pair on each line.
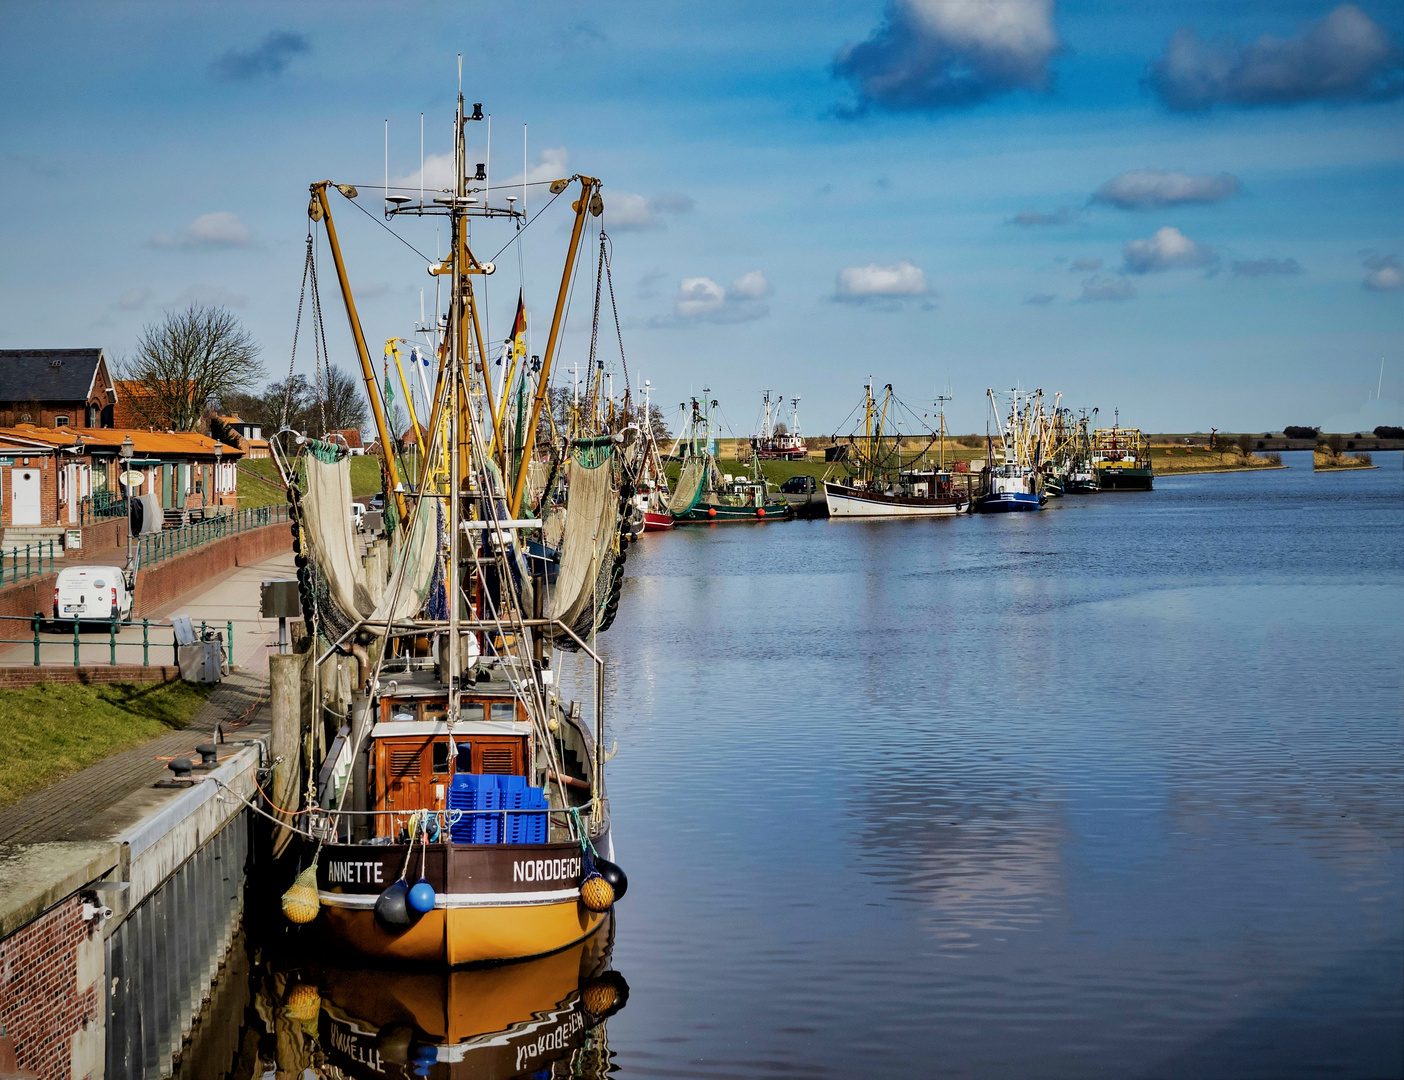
908,501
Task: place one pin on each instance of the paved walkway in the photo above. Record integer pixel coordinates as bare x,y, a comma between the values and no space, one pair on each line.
232,595
68,809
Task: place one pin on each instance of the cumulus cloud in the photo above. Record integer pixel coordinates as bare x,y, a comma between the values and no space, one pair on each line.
133,299
627,212
1385,274
700,299
934,54
1032,218
207,296
219,229
1148,189
1266,267
874,283
1167,249
552,163
268,58
1345,56
1085,266
1040,299
1101,288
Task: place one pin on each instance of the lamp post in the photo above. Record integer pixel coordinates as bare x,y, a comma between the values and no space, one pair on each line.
124,460
218,453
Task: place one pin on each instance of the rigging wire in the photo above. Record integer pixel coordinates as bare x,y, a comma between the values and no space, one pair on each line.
391,231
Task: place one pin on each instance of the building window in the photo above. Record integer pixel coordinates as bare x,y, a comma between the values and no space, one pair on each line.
61,420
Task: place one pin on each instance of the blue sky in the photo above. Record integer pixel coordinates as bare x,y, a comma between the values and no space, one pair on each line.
800,196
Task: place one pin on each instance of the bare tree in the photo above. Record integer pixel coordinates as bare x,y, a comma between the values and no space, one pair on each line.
193,358
1245,446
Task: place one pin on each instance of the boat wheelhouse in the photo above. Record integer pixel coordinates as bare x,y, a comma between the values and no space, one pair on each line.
1121,457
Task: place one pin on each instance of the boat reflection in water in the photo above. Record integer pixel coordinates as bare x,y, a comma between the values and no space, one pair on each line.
536,1018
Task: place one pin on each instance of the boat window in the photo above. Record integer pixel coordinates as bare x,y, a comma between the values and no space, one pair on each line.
434,710
441,755
503,710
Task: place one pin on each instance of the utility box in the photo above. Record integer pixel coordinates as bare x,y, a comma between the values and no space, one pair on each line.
202,662
374,521
280,599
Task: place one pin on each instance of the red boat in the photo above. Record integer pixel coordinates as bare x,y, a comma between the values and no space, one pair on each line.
656,522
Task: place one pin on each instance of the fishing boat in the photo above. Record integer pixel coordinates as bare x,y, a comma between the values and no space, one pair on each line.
1014,483
704,494
651,498
880,481
1122,459
455,811
774,440
1079,474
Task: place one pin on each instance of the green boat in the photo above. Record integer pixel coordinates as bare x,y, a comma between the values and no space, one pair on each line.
706,495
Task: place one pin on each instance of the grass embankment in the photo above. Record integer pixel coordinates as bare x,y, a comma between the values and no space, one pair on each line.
54,730
259,484
1330,461
1176,460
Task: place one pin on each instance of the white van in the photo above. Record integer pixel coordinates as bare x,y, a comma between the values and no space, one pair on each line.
92,594
358,516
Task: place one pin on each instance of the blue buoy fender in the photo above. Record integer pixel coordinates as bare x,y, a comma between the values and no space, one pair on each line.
421,896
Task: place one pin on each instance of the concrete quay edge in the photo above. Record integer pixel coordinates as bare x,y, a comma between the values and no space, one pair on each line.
36,877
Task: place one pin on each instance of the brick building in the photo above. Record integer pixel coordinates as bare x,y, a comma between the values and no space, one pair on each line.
56,388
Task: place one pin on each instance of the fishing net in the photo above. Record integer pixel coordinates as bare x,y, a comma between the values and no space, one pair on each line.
689,487
587,542
357,590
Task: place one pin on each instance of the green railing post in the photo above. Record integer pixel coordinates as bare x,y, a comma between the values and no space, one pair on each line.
230,641
37,618
112,642
175,648
145,642
76,643
26,562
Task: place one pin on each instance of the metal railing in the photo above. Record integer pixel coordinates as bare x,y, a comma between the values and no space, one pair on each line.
109,636
29,561
101,506
153,548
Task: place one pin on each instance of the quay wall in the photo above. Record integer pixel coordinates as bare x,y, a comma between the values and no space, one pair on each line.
12,678
109,948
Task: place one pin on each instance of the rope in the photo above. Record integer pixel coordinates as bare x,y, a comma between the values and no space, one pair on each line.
307,269
618,330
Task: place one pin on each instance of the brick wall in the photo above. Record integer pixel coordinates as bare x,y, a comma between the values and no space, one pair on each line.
17,677
48,995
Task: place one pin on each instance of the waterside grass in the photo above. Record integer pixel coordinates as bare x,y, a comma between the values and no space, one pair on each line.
1178,460
54,730
1330,461
260,485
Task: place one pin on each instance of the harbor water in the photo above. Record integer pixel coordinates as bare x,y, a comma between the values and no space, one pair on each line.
1112,789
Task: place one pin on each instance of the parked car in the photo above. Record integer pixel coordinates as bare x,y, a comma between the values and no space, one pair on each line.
799,485
92,594
377,501
358,515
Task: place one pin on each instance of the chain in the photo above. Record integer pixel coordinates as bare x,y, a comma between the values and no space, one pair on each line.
308,269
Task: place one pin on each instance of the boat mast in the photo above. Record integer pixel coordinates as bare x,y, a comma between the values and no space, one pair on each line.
941,400
454,419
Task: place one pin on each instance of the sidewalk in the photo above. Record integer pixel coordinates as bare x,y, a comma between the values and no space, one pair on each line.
234,595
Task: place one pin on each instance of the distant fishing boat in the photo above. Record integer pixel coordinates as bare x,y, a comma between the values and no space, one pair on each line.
1122,459
878,484
1079,474
651,496
774,440
705,494
1014,485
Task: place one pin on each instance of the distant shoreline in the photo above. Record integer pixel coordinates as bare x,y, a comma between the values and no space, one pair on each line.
1197,470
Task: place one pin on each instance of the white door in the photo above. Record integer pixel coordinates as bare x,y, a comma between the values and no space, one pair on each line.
72,486
24,497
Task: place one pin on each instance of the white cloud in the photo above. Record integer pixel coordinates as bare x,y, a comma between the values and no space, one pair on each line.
932,54
207,296
697,297
860,284
1385,274
1149,189
133,299
1097,289
1167,249
750,286
219,229
624,212
1345,56
700,299
552,163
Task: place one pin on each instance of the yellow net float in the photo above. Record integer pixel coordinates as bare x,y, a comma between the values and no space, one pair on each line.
300,902
597,894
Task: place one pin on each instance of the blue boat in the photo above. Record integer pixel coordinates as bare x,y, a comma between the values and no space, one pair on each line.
1015,484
